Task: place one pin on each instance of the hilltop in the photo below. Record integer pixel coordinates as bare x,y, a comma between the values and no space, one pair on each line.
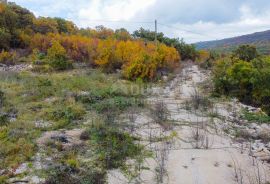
259,39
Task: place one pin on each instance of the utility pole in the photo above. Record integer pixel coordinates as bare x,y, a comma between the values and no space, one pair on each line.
156,34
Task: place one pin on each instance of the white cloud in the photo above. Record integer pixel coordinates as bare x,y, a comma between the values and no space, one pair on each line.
112,10
213,19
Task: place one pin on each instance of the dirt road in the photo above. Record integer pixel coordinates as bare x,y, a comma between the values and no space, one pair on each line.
202,153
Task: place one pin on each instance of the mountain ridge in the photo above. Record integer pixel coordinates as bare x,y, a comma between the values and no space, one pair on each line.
259,39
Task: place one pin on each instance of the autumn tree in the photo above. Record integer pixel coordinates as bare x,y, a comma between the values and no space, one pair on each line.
187,51
103,32
25,17
57,58
13,19
45,25
122,34
64,26
5,39
106,56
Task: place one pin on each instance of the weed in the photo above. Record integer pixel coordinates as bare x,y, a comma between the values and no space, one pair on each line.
256,117
109,142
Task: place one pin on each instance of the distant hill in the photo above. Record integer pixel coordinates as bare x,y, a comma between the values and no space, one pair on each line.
260,39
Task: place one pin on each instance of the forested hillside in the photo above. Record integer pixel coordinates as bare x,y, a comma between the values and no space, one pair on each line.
55,44
260,39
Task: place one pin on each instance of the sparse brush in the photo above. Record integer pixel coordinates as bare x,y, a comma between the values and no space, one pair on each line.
160,114
199,102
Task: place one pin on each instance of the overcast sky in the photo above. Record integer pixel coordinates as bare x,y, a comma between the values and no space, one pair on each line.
193,20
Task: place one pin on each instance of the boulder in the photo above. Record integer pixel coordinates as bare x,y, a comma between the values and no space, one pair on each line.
265,127
263,155
254,126
68,138
21,169
60,138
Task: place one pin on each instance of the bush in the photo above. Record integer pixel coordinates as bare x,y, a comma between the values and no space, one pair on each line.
61,64
73,163
65,174
245,53
84,136
207,59
249,81
109,142
187,52
57,58
60,174
2,99
65,115
5,39
3,119
8,58
256,117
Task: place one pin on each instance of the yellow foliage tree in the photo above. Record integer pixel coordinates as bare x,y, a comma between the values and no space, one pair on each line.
106,55
2,7
57,57
203,55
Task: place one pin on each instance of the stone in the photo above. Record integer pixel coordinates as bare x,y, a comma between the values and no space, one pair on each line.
252,132
165,78
61,138
68,139
42,124
83,93
36,180
265,127
263,155
21,169
2,65
2,172
254,126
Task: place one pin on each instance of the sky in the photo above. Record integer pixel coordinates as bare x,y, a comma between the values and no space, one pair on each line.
193,20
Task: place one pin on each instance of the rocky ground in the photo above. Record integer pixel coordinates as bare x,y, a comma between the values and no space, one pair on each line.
206,149
15,68
195,139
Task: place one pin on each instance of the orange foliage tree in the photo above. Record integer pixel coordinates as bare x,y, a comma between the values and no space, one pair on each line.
136,58
203,55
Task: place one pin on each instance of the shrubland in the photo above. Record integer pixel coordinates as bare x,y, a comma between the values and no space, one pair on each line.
244,75
32,104
55,44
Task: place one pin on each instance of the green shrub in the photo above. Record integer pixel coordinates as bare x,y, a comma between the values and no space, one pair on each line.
2,98
60,64
5,39
109,142
61,174
73,163
70,113
65,174
57,57
116,104
16,152
249,81
44,82
245,53
3,119
256,117
3,179
8,58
